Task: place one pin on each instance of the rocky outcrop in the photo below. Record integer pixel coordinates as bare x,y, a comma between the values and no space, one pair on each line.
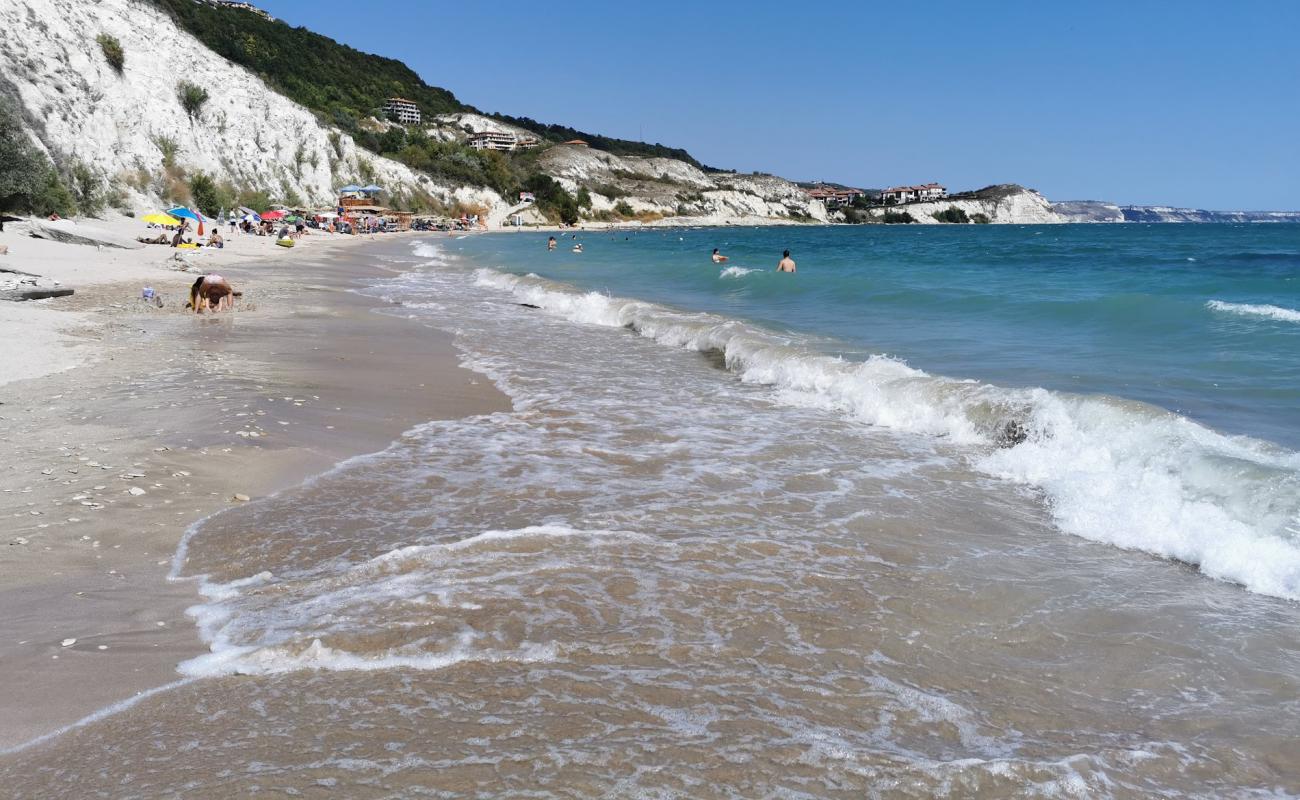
676,192
70,232
1004,204
121,129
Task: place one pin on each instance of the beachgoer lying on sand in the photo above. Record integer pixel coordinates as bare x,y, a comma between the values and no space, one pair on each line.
159,239
718,258
212,290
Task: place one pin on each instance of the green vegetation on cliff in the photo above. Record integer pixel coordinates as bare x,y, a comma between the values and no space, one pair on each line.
344,85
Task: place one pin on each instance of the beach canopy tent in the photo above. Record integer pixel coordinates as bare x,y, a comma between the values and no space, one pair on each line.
160,219
272,215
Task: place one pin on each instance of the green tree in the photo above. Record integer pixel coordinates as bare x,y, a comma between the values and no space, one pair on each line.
952,214
28,181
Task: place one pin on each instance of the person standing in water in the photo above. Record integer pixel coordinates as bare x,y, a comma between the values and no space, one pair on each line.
550,243
718,258
786,264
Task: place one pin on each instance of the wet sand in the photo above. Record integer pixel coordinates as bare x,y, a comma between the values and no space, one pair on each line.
172,418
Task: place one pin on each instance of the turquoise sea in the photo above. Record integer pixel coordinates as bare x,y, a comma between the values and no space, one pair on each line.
1203,320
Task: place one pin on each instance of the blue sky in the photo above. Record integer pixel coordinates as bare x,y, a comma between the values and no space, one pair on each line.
1180,103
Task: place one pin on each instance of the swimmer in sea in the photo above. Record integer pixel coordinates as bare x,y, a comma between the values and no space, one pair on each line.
550,243
787,263
577,248
718,258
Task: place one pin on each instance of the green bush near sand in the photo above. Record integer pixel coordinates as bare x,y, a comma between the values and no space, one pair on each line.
29,183
980,219
552,199
897,218
113,52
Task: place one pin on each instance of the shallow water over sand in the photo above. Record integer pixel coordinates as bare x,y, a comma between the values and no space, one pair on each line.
652,579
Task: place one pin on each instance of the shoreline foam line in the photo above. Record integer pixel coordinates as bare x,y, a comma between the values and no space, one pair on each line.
103,713
1113,470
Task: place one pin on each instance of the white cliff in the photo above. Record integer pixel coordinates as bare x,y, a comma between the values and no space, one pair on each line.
683,194
119,126
1004,204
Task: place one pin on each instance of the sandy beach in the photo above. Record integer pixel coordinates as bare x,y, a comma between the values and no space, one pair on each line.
121,424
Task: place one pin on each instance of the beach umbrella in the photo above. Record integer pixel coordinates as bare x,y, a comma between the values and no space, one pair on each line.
160,219
272,214
249,214
372,188
198,218
294,218
351,187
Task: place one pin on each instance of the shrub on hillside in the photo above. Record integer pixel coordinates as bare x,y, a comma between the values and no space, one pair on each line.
952,214
192,97
28,181
113,52
623,209
980,219
897,218
212,197
552,199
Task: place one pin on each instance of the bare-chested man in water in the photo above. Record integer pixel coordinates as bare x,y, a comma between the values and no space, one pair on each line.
787,263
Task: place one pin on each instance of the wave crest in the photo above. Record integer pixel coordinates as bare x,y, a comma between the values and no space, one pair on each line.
1251,310
1112,470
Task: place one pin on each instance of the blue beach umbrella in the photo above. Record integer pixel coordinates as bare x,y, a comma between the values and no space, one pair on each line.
198,218
372,188
351,187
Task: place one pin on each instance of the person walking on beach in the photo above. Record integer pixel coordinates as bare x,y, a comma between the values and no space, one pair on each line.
786,264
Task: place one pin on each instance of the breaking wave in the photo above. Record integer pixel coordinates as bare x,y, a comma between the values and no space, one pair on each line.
1248,310
1111,470
736,272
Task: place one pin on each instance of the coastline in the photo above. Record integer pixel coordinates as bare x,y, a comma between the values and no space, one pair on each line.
149,420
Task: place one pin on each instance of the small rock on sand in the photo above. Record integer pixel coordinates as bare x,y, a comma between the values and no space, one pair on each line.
67,643
240,498
136,490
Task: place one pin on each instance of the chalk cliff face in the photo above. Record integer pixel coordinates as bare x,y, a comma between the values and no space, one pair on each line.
1009,204
1088,211
118,126
683,193
1171,214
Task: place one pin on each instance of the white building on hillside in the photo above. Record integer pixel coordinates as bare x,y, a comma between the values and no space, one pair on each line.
403,110
492,140
912,194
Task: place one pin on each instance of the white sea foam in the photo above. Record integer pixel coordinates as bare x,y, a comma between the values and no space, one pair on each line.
736,272
1113,471
1250,310
247,636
